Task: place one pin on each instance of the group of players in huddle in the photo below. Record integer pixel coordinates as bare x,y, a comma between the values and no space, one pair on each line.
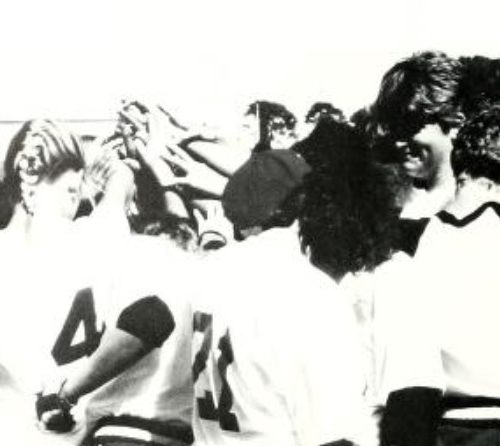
356,304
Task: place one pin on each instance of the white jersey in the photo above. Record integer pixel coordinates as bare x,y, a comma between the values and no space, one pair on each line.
451,307
385,306
159,387
49,316
276,358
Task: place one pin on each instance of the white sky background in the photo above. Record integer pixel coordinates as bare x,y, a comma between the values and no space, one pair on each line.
208,59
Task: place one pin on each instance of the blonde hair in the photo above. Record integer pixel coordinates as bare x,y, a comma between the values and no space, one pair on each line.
41,149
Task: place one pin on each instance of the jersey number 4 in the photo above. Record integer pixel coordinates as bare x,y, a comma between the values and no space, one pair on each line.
207,409
82,311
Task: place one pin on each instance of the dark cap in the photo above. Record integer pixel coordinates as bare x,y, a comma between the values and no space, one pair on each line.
259,188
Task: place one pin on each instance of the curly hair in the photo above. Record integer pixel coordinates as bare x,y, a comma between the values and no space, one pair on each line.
349,217
422,89
324,110
476,150
479,85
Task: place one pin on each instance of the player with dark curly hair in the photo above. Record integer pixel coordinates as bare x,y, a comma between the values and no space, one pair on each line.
476,152
349,220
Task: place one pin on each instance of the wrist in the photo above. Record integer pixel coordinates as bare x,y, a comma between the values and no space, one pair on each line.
67,394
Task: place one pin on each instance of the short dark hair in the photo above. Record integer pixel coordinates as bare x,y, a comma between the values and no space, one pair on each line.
476,150
422,89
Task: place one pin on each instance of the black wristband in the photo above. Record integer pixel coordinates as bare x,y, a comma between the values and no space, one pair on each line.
60,422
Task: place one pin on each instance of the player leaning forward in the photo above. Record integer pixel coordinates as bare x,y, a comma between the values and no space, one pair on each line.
275,350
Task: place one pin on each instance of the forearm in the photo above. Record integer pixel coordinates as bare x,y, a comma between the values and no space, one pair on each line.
142,326
175,205
219,156
117,352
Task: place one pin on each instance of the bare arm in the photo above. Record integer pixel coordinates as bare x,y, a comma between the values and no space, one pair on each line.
118,351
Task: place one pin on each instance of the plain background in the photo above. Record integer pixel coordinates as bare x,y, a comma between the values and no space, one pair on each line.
206,60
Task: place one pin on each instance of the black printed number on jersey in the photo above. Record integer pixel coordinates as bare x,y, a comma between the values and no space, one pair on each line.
208,407
82,312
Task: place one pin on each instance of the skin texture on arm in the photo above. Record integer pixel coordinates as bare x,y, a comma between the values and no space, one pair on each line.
145,324
199,177
117,352
219,155
171,165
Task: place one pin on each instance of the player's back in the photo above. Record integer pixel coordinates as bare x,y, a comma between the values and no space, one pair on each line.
49,316
275,353
158,388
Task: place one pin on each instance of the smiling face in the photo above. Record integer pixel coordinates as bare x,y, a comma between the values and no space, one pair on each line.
426,152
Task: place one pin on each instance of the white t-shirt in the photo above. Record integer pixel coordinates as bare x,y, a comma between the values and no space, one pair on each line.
51,315
449,313
159,386
276,354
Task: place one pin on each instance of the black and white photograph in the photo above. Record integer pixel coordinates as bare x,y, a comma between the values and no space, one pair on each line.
266,223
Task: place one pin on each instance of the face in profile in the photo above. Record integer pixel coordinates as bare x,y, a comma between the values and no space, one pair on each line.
282,137
426,152
58,198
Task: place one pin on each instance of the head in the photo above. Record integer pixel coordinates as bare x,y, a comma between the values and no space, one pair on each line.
324,110
476,151
276,125
265,192
418,110
320,112
348,221
43,170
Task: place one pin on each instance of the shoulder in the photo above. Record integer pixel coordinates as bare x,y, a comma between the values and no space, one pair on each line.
410,233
